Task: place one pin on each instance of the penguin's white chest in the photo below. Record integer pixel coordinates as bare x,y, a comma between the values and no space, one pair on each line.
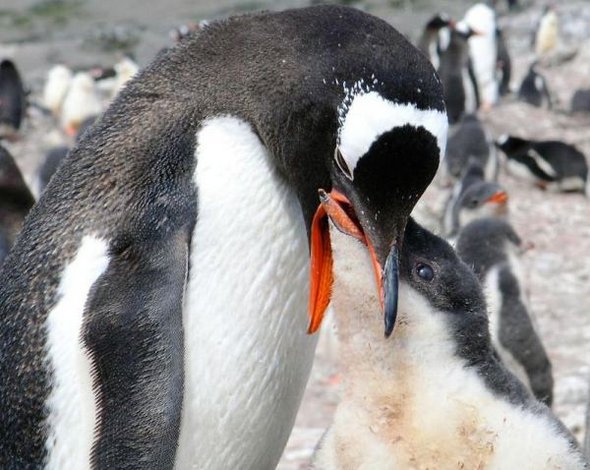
247,355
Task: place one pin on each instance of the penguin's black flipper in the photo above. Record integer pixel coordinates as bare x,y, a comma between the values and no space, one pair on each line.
518,335
133,332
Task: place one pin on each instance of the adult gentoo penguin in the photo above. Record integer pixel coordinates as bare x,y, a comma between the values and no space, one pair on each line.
483,50
491,247
12,99
461,94
155,312
15,201
550,164
429,40
435,395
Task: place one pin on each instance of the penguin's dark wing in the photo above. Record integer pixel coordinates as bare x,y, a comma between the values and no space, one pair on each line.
518,335
133,332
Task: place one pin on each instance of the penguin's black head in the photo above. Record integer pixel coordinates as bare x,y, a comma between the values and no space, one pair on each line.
482,193
431,267
511,145
386,154
440,294
439,21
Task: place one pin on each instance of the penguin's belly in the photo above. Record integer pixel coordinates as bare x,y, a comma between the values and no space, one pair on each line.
247,355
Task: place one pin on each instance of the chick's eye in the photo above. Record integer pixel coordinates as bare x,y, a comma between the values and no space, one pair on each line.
342,164
425,272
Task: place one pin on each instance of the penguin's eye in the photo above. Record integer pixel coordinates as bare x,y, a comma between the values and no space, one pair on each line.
342,164
425,272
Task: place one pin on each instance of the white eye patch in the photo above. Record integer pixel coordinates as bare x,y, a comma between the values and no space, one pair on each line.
370,115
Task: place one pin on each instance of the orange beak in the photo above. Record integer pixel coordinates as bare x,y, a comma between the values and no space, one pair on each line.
338,208
71,130
499,197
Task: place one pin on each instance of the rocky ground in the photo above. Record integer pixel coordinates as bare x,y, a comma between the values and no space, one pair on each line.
38,33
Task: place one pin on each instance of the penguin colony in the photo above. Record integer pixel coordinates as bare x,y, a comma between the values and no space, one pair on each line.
117,361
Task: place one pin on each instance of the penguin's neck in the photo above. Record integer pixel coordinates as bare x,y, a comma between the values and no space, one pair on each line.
420,340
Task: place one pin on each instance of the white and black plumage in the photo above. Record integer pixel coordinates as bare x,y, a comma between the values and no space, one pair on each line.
470,141
534,90
473,198
491,247
12,99
581,101
435,394
455,72
483,51
155,312
429,40
549,164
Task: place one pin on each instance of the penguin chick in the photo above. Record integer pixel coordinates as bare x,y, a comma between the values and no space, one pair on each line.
534,90
549,164
491,247
474,201
547,34
56,87
433,395
12,100
470,141
81,102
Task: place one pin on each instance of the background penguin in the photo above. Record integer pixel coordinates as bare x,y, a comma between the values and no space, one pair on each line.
12,100
534,90
15,201
429,40
469,141
203,173
550,164
473,198
461,93
434,395
547,34
581,101
59,79
483,51
54,157
81,102
491,247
